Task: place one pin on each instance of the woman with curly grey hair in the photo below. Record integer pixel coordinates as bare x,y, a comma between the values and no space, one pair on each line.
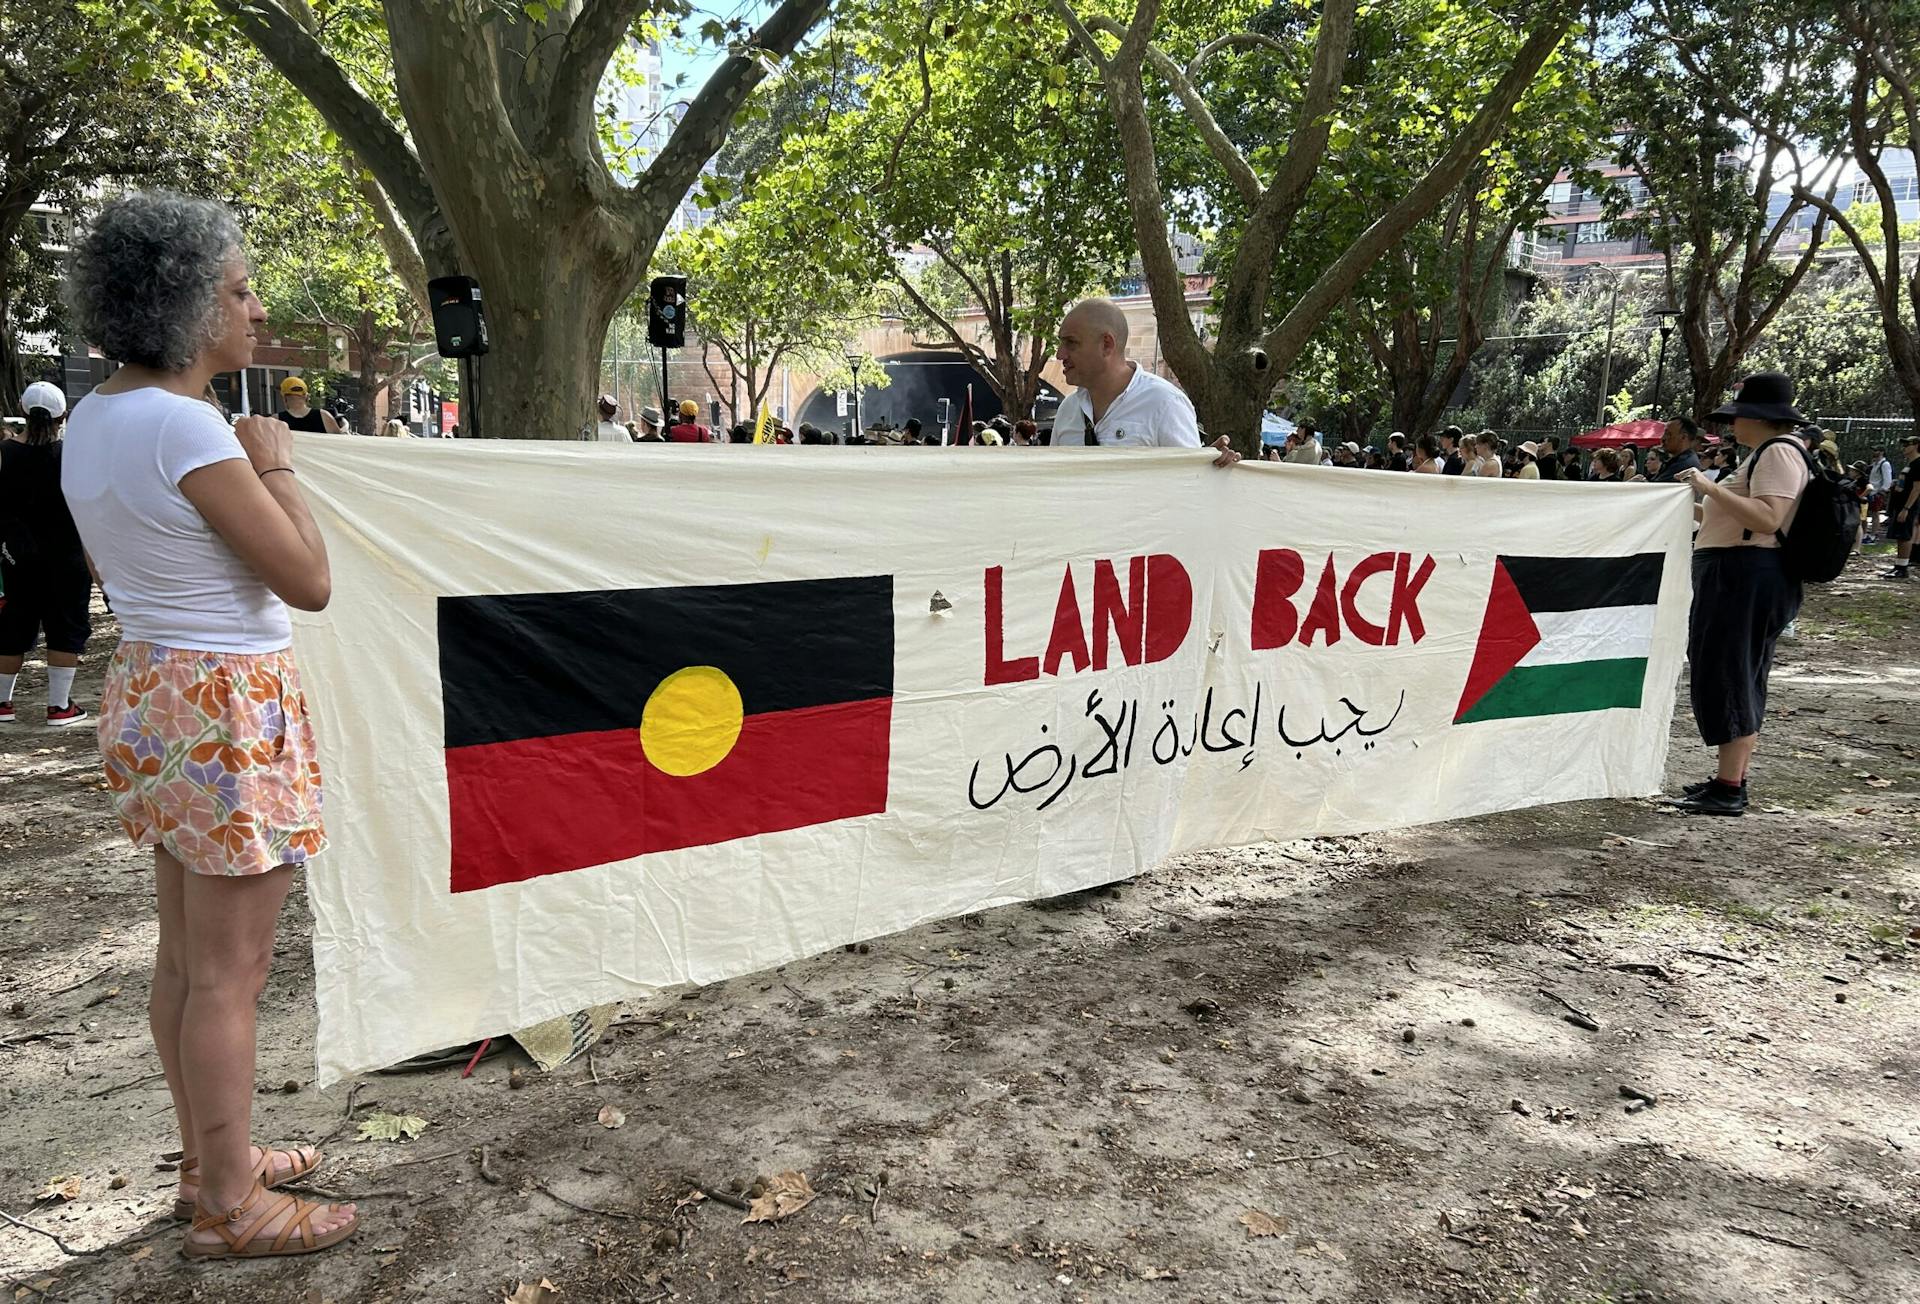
200,534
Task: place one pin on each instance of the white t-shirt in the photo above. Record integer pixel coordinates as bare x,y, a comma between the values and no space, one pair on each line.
171,579
612,432
1148,413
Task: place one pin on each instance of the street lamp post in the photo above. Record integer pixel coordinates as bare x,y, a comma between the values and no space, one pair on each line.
853,361
1660,371
1623,281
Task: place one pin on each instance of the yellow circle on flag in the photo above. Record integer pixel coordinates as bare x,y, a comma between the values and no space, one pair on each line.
691,721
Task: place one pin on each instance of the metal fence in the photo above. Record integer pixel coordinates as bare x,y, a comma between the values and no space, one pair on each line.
1859,437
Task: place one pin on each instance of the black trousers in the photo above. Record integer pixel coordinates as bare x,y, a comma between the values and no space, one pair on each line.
1742,599
51,595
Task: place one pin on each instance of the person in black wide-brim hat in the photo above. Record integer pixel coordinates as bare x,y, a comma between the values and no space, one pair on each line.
1742,595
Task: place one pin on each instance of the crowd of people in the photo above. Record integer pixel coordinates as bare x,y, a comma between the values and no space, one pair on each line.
196,527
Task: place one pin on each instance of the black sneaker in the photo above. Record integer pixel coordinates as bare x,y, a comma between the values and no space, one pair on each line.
1695,789
1718,799
61,717
1894,573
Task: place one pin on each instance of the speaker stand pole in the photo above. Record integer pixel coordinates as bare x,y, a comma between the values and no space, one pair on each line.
666,401
470,397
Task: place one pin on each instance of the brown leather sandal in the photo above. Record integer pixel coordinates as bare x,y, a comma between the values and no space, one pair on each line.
241,1245
299,1168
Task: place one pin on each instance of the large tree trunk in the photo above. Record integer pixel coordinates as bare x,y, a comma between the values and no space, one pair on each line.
12,371
364,419
1234,405
1906,370
499,175
548,330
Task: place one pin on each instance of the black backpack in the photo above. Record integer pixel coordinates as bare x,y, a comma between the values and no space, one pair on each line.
1815,549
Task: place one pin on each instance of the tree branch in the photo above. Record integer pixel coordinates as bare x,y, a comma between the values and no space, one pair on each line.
378,144
1284,341
1866,151
1088,46
968,350
704,128
1311,128
1254,40
402,255
1133,45
920,110
981,295
1224,151
1147,209
591,41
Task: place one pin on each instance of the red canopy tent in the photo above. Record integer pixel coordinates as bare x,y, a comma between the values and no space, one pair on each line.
1641,434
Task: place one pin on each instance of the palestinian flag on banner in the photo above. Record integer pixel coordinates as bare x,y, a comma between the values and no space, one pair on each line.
1562,635
589,727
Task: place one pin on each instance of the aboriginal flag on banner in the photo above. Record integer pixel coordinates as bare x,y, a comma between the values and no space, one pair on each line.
589,727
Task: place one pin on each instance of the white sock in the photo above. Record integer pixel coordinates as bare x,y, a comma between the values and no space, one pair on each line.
6,686
60,685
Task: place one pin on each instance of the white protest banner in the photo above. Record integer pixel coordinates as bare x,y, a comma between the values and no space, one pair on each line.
597,720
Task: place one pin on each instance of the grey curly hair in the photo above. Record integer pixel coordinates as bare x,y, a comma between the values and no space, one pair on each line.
144,283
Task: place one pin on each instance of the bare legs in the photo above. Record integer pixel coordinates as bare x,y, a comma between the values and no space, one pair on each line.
169,996
216,944
1735,757
229,944
65,660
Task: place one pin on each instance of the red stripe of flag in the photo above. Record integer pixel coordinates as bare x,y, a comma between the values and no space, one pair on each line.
536,806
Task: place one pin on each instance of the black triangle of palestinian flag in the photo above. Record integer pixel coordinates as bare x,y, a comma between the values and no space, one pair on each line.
1563,635
584,728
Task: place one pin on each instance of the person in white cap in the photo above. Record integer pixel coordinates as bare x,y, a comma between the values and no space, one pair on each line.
1529,468
608,431
42,565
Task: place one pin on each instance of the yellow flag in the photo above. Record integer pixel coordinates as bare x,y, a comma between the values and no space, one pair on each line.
760,426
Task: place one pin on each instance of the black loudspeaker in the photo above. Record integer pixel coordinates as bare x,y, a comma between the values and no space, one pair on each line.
458,324
667,312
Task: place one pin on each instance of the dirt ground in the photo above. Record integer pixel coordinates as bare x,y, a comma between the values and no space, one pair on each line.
1413,1053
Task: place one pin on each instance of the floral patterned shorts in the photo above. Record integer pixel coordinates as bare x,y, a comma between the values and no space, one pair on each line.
211,756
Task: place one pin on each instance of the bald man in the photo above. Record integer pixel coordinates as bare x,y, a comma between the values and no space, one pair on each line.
1117,405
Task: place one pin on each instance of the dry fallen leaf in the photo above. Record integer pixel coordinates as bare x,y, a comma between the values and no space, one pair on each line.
1260,1223
1879,783
144,1252
532,1293
786,1195
1314,1248
611,1118
60,1188
391,1127
1159,1274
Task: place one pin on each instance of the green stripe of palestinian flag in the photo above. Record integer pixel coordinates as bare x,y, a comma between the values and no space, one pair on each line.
1563,635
